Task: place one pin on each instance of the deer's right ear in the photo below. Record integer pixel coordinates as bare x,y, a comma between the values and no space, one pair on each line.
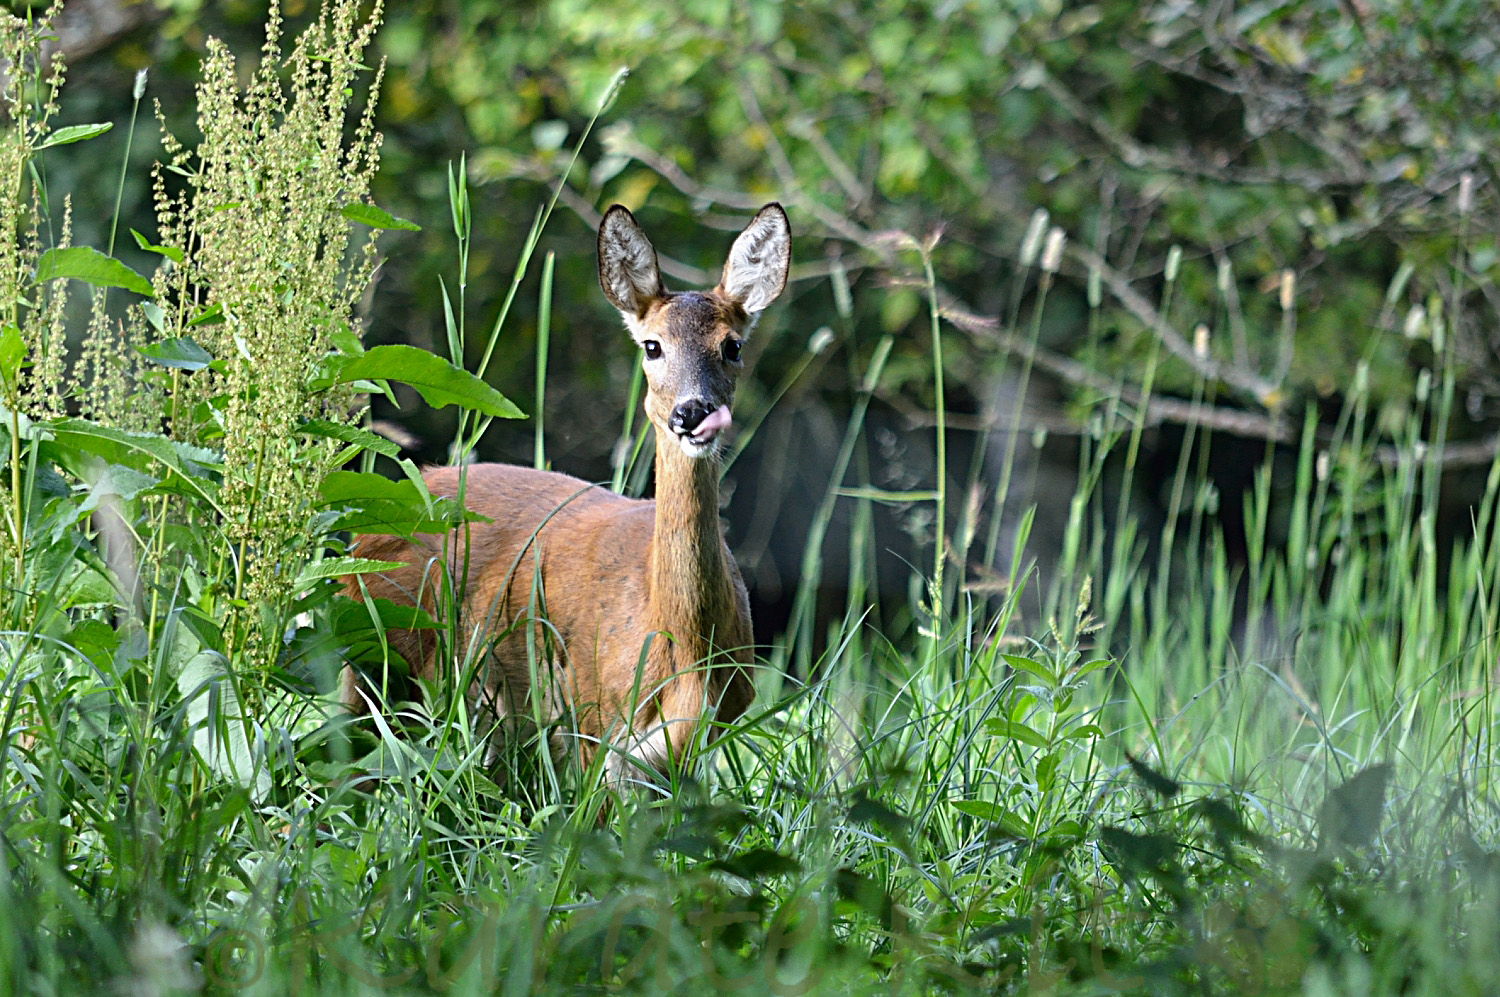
627,263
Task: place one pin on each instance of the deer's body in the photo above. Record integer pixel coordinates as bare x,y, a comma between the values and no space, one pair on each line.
641,603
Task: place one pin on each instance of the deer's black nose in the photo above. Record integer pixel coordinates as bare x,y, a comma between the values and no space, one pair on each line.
688,415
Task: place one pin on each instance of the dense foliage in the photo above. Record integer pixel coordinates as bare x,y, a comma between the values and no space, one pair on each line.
1170,758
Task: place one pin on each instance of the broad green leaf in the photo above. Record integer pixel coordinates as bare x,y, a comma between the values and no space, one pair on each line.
993,813
12,355
868,811
361,438
116,481
1032,667
179,352
1351,813
91,266
371,503
211,315
94,640
439,382
351,616
194,468
368,214
170,252
1015,731
219,725
337,567
979,809
1089,667
758,864
1138,853
74,133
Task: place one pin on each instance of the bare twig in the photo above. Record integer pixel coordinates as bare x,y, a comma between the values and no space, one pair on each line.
1247,383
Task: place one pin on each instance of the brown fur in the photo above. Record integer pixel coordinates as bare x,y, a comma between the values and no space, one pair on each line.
617,575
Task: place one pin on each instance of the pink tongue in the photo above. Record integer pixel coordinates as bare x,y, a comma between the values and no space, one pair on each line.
709,428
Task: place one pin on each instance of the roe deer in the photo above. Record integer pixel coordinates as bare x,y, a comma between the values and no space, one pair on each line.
642,603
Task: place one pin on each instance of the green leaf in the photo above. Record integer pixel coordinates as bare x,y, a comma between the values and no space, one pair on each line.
116,481
1163,786
1351,813
370,503
758,864
354,617
993,813
94,640
868,811
368,214
12,355
864,891
1046,770
179,352
91,266
361,438
439,382
1032,667
73,133
219,725
212,315
1015,731
337,567
1089,667
170,252
75,441
1136,854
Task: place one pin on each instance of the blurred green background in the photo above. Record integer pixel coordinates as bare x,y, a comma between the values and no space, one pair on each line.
1329,155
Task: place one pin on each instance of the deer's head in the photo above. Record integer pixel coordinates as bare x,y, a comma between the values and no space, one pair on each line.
691,340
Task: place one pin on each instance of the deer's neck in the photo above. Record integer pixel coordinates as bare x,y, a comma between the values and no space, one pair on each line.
692,596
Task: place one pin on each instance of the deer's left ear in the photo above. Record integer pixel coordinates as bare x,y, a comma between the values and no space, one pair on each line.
758,261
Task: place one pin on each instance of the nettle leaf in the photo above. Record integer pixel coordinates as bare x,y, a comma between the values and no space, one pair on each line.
1006,820
1016,731
74,133
1350,815
115,481
369,214
179,352
370,503
170,252
219,726
12,354
94,640
337,567
1032,667
1089,667
353,435
92,267
75,442
439,382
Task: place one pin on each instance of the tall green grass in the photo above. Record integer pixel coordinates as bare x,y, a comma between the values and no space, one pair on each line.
1186,774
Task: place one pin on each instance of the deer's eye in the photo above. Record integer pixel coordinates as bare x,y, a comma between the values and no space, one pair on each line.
732,349
652,348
